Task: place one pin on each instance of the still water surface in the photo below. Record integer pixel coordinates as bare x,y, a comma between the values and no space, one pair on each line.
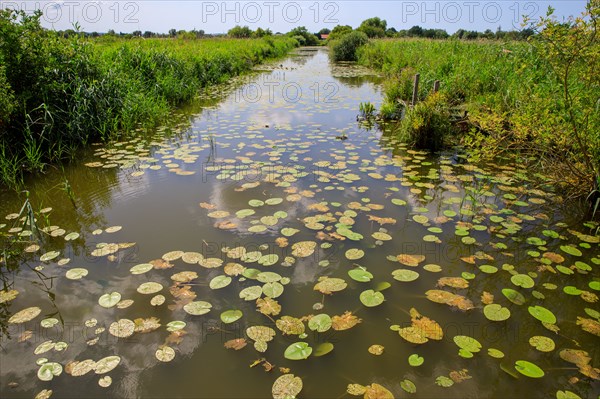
277,137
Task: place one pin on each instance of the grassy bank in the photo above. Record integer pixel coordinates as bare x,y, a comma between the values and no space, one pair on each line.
58,94
522,98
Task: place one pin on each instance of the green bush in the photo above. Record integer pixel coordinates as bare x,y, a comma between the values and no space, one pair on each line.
427,124
345,48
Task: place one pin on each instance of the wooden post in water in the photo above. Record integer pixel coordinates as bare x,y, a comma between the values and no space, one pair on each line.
415,90
436,86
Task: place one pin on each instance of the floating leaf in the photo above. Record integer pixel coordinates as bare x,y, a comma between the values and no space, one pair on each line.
24,315
589,325
323,349
109,300
514,296
448,298
122,328
467,343
344,322
251,293
231,316
528,369
444,381
268,306
376,391
571,250
146,325
541,343
165,354
415,360
49,370
7,296
290,325
235,344
219,282
354,254
149,288
371,298
260,333
328,285
320,323
286,386
107,364
141,268
405,275
410,260
76,273
522,280
360,274
542,314
454,282
356,389
197,308
298,351
495,353
48,256
376,350
496,312
408,386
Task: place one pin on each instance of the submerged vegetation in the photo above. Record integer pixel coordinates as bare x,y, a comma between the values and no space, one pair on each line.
538,100
57,94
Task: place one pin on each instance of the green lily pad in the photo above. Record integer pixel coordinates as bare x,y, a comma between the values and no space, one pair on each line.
444,381
231,316
415,360
371,298
150,287
76,273
567,395
542,314
514,296
298,351
109,300
408,386
354,254
495,353
570,290
571,250
541,343
197,308
360,274
272,290
467,343
405,275
496,312
321,322
323,349
141,268
528,369
219,282
251,293
48,256
522,280
49,370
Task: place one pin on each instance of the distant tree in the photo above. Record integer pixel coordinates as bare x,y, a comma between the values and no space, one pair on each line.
148,34
240,32
391,32
309,38
471,35
415,31
197,33
111,32
137,33
488,34
373,27
339,31
324,31
525,33
172,32
459,34
260,32
441,34
429,33
402,33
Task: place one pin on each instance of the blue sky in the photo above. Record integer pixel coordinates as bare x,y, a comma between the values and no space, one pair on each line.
282,16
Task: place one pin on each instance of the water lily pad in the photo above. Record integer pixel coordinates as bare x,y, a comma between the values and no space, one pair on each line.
541,343
49,322
260,333
320,323
371,298
25,315
567,395
71,236
165,354
141,268
514,296
219,282
444,381
251,293
415,360
542,314
290,325
495,353
231,316
48,256
496,312
107,364
298,351
122,328
286,386
528,369
109,300
197,308
408,386
328,285
405,275
323,349
49,370
571,250
522,280
149,288
354,254
76,273
360,274
272,290
467,343
175,325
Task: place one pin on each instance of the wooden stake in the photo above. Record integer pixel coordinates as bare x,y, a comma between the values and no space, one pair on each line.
436,86
415,90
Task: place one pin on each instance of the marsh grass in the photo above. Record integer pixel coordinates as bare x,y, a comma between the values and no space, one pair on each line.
58,94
